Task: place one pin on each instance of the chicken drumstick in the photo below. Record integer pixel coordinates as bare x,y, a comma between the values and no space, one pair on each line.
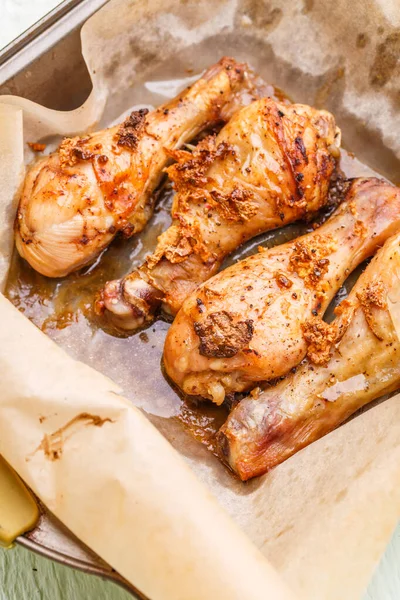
270,165
75,201
257,319
264,430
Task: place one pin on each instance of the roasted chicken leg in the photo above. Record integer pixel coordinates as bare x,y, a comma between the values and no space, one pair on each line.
257,319
264,430
75,200
270,165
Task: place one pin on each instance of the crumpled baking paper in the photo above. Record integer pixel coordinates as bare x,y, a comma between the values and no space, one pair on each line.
167,522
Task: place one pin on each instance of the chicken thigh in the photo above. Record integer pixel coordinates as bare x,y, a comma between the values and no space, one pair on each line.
75,201
264,430
270,165
257,319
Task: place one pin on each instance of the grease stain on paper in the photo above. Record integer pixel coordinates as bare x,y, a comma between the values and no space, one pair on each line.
386,59
52,444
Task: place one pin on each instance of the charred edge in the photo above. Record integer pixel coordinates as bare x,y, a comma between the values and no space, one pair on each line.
293,162
223,447
301,147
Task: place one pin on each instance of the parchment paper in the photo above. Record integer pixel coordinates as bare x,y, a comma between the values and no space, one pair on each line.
323,518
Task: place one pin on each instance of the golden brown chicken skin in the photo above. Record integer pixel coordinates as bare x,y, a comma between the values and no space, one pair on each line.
270,165
75,201
264,430
254,321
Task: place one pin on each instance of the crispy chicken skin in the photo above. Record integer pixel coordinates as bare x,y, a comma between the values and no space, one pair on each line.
257,319
75,200
264,430
270,165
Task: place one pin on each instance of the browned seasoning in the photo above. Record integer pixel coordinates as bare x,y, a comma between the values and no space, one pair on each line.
373,297
36,147
282,280
221,337
321,337
309,259
129,132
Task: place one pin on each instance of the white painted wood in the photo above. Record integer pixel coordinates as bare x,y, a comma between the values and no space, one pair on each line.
26,576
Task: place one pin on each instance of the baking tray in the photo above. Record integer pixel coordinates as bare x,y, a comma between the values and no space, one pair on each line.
45,65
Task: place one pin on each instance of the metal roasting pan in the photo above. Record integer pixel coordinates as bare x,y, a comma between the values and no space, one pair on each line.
45,65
